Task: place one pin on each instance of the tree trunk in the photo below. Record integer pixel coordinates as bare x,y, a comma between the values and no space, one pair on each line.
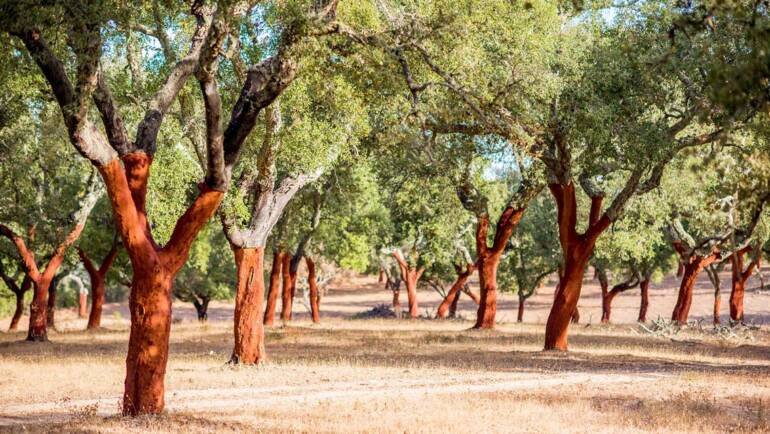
51,305
249,345
714,277
679,269
411,293
485,315
98,277
150,306
520,313
736,299
39,316
575,318
576,251
609,296
97,302
607,306
18,312
286,296
381,277
692,268
397,301
201,308
154,269
565,304
275,285
313,285
604,283
454,292
644,286
739,278
410,277
82,304
453,306
489,259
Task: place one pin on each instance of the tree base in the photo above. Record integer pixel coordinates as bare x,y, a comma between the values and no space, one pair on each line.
37,338
235,361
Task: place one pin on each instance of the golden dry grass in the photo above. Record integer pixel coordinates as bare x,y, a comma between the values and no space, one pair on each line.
384,375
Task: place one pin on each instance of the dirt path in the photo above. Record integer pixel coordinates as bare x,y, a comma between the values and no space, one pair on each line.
236,399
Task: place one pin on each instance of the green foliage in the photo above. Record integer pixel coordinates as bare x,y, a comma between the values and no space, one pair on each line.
534,252
210,271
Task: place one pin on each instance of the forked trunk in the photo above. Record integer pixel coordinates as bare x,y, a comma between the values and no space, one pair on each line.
286,296
576,251
98,277
202,308
249,333
275,288
154,269
644,286
520,313
315,297
609,296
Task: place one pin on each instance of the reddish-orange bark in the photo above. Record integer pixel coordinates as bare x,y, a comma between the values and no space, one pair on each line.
475,298
692,267
454,292
315,297
97,277
644,286
275,287
287,298
410,276
739,278
576,251
83,304
609,296
41,281
488,261
249,333
453,306
575,318
154,271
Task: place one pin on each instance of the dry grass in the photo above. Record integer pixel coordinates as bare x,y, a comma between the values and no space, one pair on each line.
395,376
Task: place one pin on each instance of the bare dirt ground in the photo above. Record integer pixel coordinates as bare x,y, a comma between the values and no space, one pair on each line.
386,375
